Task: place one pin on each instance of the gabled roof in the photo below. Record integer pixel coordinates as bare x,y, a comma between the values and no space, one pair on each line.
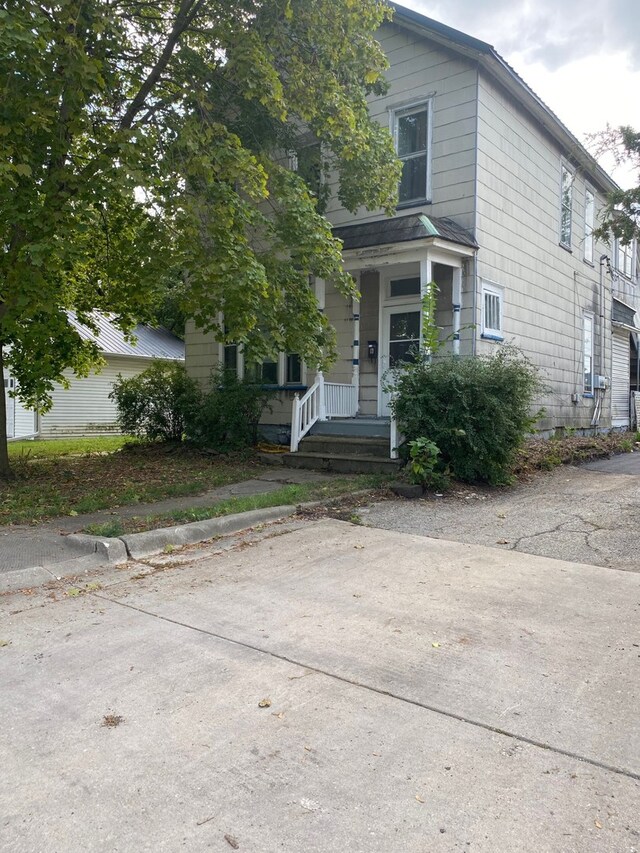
401,229
490,60
149,343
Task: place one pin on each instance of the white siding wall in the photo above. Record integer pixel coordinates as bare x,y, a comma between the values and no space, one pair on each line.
547,288
85,408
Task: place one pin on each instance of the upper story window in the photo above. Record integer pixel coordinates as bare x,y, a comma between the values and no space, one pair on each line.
624,258
412,133
589,213
566,204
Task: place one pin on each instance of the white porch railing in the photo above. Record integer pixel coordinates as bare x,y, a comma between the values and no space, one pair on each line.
322,401
341,401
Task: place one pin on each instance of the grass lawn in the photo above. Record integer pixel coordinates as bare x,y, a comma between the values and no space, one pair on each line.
84,475
290,494
19,450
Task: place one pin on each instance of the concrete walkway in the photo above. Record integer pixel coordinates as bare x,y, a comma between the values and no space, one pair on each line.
47,546
329,689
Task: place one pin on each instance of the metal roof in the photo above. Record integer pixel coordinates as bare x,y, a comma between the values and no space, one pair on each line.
401,229
146,341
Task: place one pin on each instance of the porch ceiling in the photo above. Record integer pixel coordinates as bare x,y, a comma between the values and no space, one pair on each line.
403,229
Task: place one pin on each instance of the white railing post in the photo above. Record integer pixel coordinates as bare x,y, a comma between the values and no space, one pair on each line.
322,403
393,437
295,423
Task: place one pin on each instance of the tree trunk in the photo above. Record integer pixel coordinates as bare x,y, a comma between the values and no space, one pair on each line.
5,469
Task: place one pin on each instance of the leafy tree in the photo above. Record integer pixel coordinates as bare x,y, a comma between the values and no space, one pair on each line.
143,139
621,214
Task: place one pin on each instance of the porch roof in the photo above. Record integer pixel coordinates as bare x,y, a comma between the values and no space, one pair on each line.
403,229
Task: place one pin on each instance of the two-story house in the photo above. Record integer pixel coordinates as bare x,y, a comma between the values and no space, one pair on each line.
498,203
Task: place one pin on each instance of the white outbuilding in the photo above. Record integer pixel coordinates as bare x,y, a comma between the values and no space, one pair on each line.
85,408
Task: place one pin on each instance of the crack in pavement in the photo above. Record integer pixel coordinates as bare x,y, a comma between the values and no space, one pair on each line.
452,715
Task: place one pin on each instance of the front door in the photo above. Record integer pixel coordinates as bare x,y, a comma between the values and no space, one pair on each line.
400,343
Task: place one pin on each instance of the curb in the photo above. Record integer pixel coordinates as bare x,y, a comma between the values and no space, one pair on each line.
136,546
151,542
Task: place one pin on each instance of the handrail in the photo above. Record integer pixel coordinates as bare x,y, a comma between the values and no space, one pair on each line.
305,412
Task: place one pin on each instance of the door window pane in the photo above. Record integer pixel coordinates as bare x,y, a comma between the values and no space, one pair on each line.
404,337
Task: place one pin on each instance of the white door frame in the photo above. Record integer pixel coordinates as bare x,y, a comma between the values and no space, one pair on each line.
386,313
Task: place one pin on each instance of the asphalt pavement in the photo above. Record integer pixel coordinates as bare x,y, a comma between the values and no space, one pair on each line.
326,687
586,513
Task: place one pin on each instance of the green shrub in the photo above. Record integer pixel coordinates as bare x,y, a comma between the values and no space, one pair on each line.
477,411
157,404
229,414
425,467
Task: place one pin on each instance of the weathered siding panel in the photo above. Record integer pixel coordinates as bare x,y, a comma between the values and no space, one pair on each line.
420,69
547,289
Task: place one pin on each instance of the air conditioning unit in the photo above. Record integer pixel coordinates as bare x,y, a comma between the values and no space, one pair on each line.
601,382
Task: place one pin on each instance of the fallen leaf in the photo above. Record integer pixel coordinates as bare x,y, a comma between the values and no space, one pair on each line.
4,643
72,512
280,716
231,841
73,591
264,703
436,645
502,542
308,748
359,547
501,515
419,798
598,824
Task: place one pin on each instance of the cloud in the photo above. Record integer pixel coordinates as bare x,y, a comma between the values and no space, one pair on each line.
545,31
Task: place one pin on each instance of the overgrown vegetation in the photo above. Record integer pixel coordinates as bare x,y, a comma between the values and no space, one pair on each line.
70,485
164,404
228,414
476,411
158,403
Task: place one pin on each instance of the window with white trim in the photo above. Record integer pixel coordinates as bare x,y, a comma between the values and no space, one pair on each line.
566,204
624,258
412,133
492,302
589,213
287,370
587,356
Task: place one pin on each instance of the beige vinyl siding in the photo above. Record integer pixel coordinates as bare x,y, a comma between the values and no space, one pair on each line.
419,69
370,296
85,407
547,289
201,352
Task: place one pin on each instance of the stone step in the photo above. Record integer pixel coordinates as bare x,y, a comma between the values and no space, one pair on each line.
341,463
367,427
344,445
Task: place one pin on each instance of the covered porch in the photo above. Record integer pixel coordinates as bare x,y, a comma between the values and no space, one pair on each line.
393,261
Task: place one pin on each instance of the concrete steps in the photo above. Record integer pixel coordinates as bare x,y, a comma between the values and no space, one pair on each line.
345,454
345,445
341,463
355,427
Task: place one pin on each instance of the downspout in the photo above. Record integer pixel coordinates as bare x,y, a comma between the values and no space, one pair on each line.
600,392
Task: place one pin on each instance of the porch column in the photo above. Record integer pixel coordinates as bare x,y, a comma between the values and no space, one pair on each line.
426,277
355,376
456,298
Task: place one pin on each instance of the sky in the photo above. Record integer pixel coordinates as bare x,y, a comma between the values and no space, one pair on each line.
582,57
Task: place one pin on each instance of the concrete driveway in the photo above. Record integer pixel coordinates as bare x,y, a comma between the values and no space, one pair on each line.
331,688
588,513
